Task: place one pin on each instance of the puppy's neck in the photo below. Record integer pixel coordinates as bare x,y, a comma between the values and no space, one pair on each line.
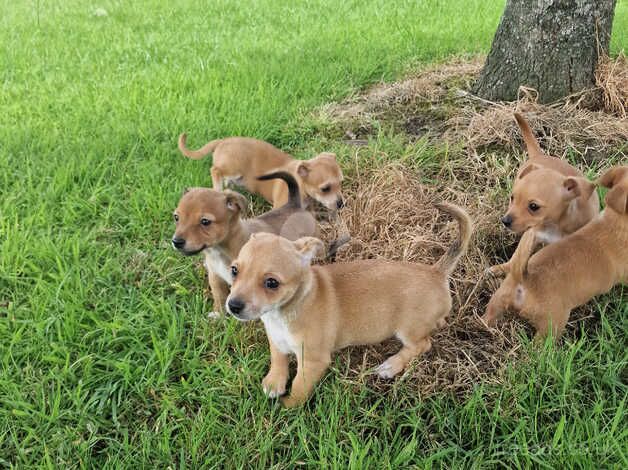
237,236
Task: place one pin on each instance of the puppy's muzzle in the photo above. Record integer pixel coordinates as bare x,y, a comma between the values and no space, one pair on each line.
235,307
178,243
507,221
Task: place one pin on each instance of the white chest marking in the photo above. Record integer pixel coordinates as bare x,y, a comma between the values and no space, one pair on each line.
277,330
548,236
218,263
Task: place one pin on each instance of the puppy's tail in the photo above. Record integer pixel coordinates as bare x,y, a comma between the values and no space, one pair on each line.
519,261
447,263
200,153
532,145
294,193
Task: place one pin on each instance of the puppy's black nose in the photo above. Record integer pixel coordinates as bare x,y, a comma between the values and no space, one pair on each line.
178,243
340,203
507,220
235,306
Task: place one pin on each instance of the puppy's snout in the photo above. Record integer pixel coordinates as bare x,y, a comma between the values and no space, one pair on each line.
235,306
178,242
507,220
340,203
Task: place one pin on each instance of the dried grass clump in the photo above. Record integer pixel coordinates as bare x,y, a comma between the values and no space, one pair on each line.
611,77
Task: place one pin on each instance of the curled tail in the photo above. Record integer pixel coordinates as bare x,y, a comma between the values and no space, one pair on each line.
519,261
294,193
532,145
200,153
447,263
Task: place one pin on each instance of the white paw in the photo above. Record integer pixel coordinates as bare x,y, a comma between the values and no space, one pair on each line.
272,392
213,315
386,370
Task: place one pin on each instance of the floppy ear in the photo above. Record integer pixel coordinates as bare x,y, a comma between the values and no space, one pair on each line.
527,170
235,201
612,176
617,199
575,187
309,248
303,169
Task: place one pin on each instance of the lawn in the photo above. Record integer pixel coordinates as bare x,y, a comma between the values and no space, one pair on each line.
108,358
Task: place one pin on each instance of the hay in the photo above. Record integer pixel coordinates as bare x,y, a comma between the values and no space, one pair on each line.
437,103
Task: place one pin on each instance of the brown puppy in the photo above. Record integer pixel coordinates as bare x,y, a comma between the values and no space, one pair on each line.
311,311
209,221
543,288
549,195
241,159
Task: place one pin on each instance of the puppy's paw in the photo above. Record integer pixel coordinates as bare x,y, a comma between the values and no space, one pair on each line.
495,271
214,315
389,368
273,386
290,401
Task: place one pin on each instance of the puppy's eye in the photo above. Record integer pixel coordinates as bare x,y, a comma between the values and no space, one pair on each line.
326,188
271,283
234,271
533,206
176,217
205,222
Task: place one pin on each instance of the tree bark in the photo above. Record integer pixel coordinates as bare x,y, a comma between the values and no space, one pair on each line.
549,45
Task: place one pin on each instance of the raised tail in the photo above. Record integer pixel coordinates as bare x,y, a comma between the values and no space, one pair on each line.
200,153
532,145
519,260
447,263
294,193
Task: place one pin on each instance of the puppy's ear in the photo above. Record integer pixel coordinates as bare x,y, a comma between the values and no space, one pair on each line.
617,199
303,169
527,170
576,186
309,248
612,176
235,201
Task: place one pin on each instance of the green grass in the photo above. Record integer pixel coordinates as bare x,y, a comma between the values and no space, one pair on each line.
107,356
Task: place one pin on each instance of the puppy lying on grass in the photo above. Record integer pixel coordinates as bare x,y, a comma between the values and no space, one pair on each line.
549,196
241,159
312,311
543,288
210,221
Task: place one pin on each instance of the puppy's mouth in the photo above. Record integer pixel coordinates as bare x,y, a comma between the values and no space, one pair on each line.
185,252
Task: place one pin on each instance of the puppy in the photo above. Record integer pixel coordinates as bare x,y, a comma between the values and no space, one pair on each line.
241,159
549,196
311,311
543,288
210,221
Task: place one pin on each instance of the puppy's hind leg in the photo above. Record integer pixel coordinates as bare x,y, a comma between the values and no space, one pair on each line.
545,323
217,179
397,363
220,291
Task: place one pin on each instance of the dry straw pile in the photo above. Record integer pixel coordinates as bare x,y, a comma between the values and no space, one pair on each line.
390,211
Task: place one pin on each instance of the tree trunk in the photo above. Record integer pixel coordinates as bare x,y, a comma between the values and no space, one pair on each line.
549,45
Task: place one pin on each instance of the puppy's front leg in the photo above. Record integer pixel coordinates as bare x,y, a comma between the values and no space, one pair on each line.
500,269
220,291
309,373
274,384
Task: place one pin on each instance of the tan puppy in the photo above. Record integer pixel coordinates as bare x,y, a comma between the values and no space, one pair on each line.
242,159
549,195
543,288
311,311
209,221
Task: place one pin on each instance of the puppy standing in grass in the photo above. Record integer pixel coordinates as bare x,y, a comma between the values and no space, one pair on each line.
242,159
543,288
549,196
209,221
312,311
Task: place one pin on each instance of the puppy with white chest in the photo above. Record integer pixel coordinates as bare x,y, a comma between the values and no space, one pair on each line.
543,288
210,222
241,159
312,311
549,196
